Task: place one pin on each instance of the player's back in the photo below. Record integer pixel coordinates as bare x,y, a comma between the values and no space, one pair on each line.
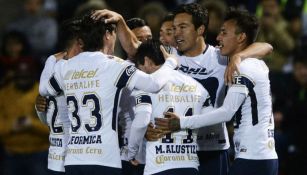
184,96
254,122
92,84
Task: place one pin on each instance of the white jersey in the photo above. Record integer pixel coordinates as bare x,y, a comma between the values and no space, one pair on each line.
208,68
59,124
92,83
184,96
56,118
126,116
254,122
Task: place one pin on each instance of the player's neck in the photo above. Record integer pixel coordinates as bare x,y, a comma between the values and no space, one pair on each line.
199,47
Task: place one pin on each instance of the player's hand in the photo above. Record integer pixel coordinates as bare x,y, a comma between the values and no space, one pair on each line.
41,103
134,162
153,134
110,16
232,68
60,55
167,55
170,123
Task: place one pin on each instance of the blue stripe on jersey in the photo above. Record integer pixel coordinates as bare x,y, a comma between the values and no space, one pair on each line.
114,116
125,76
242,80
143,99
55,85
211,84
238,117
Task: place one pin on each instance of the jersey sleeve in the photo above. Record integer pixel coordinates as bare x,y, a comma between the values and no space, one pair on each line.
46,74
55,85
242,83
155,81
143,111
231,104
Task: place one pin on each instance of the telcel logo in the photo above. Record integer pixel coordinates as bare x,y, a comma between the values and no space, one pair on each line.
84,74
183,88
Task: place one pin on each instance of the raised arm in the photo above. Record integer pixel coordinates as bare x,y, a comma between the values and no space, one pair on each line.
255,50
126,37
48,71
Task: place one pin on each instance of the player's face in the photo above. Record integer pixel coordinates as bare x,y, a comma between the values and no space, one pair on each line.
167,34
185,33
228,39
142,33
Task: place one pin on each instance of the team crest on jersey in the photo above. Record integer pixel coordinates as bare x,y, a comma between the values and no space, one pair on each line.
130,70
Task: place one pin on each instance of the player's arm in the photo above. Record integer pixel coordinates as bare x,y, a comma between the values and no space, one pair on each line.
143,111
49,72
231,104
126,37
41,107
155,81
255,50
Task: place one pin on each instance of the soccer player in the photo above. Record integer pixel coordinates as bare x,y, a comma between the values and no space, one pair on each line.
91,83
140,28
204,63
248,100
175,154
167,32
53,110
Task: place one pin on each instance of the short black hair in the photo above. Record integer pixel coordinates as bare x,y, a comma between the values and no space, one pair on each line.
168,17
69,31
199,14
246,23
92,32
135,23
151,49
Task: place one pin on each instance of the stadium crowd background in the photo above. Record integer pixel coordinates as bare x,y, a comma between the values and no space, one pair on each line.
29,34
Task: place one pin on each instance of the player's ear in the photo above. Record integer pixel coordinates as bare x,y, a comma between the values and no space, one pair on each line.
241,37
201,30
107,35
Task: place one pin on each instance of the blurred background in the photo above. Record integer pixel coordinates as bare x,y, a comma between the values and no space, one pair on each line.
29,34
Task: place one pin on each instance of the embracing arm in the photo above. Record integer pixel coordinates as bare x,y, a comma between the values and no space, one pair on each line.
231,104
255,50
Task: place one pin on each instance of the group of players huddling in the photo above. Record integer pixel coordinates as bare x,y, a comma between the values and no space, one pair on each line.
182,94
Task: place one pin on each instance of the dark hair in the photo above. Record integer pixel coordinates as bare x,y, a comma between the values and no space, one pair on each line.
199,14
151,49
246,23
20,37
69,31
92,32
168,17
135,23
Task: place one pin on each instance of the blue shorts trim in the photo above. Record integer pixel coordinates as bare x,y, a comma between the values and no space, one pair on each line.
254,167
213,162
91,169
179,171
